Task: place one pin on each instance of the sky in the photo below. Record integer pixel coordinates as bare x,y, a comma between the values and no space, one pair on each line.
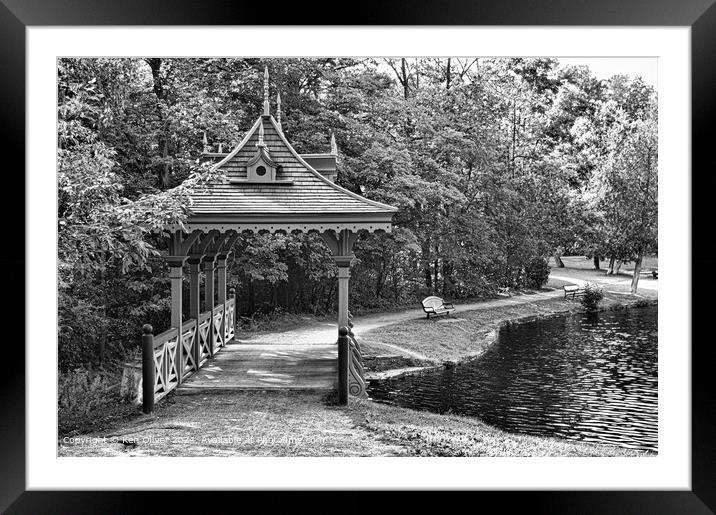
605,67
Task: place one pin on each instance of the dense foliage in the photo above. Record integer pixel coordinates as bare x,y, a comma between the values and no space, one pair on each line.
593,295
493,164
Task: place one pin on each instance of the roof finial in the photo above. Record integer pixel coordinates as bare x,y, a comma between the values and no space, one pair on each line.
220,148
334,147
261,135
205,142
266,91
278,110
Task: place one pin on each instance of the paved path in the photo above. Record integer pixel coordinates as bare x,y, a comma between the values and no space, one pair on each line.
325,333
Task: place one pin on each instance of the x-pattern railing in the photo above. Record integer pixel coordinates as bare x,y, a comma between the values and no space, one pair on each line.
230,319
164,352
204,338
218,332
164,368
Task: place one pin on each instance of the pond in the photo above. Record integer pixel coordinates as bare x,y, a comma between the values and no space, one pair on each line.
590,377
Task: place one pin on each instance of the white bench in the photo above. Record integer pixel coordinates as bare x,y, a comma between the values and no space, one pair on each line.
654,272
436,306
573,290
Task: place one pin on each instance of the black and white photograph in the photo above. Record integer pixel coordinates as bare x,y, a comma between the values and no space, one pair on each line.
357,256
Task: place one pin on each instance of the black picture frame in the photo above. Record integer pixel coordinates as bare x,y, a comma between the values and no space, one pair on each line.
700,15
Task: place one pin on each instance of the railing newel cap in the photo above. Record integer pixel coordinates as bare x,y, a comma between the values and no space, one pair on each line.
147,329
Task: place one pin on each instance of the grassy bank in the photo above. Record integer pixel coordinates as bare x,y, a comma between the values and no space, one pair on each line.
463,335
288,424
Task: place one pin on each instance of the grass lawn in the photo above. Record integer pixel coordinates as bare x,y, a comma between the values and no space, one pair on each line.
259,423
465,334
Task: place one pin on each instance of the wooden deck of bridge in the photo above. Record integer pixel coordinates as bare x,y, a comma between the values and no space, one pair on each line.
241,366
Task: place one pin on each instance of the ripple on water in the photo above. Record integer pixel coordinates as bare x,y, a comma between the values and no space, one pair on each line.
583,377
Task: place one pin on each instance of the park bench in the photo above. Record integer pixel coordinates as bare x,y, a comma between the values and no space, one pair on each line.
573,290
436,306
654,272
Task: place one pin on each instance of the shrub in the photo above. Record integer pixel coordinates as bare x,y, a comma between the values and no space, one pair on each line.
87,400
536,273
593,294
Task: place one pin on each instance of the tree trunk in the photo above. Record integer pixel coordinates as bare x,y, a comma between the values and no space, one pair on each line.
379,283
427,273
160,91
610,271
448,75
514,136
558,252
618,266
596,262
436,281
406,85
637,272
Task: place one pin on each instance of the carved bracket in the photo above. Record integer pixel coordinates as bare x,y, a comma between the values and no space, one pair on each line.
340,244
356,373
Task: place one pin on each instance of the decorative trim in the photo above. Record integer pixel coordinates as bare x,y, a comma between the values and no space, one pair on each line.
262,155
266,91
286,182
334,147
289,228
278,109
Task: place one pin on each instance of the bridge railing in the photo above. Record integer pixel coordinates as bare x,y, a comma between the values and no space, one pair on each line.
165,365
218,327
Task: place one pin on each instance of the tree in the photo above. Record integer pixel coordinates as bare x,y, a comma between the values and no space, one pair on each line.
630,177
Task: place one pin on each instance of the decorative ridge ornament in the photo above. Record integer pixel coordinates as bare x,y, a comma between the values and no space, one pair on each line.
334,147
261,142
205,143
278,111
266,91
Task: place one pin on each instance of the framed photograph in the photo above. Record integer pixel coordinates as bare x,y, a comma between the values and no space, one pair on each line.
416,252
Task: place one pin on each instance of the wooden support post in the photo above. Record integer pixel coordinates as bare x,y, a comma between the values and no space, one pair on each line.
195,303
176,273
341,245
221,290
148,372
232,295
343,358
343,263
209,297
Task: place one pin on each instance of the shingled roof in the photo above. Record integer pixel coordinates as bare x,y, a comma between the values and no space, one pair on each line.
298,198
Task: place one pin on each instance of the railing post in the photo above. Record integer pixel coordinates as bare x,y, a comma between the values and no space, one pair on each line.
232,295
209,293
343,366
148,373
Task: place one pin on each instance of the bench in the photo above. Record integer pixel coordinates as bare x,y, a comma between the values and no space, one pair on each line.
573,290
436,306
654,272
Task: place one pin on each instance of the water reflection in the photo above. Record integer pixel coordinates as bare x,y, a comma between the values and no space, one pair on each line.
586,377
